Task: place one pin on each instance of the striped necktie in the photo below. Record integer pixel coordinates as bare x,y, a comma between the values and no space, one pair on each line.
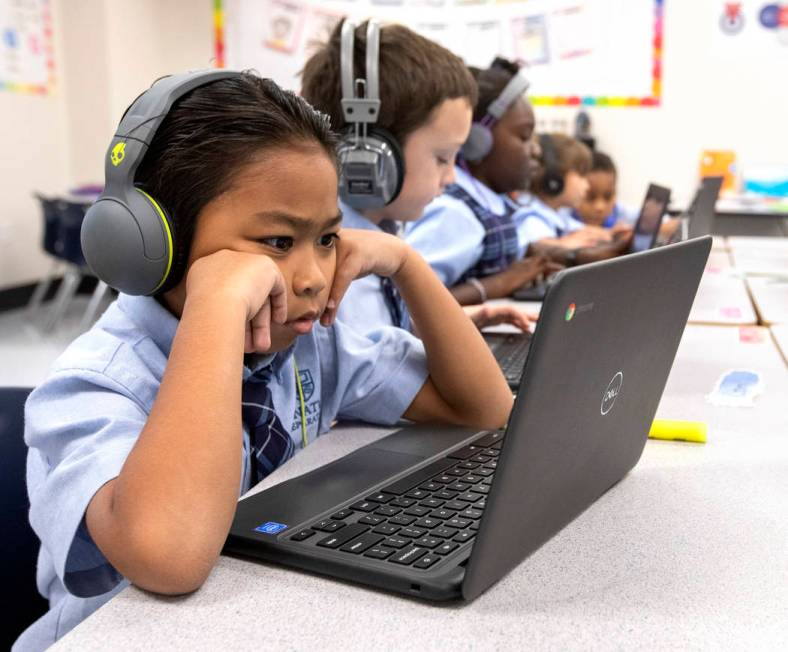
271,445
396,306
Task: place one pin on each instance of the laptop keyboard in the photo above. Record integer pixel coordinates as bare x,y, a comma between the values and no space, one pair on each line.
419,519
511,351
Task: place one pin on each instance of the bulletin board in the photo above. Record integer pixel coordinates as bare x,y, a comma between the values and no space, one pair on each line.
26,56
575,52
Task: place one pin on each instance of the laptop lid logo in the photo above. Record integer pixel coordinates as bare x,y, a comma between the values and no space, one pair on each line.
609,397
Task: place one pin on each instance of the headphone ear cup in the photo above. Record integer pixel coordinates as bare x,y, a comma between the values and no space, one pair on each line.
479,143
552,183
129,244
372,169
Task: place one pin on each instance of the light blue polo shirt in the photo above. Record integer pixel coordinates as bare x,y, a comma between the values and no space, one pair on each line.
449,235
83,421
536,221
364,306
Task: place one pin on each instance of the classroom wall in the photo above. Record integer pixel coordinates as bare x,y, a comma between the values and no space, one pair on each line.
106,52
717,94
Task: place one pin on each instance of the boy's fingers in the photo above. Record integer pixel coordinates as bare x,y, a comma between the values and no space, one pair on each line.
278,299
248,344
261,328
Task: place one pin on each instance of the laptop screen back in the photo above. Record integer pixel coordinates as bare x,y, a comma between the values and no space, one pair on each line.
701,213
647,227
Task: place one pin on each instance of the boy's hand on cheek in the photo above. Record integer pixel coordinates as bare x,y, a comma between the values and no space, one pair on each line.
360,253
250,282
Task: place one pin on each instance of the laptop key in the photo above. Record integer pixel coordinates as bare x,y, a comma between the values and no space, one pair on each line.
418,494
364,506
407,556
497,445
401,501
360,544
445,494
458,523
481,505
458,486
385,528
342,537
487,481
443,532
380,498
413,532
426,561
442,514
432,503
428,522
444,479
471,478
303,535
484,472
456,472
328,525
396,542
492,464
417,511
385,510
371,519
466,535
401,519
470,466
481,488
469,497
471,513
430,486
475,525
455,505
446,548
427,542
342,514
379,552
481,459
417,477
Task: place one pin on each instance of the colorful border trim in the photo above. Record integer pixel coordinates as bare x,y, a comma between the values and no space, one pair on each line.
656,79
539,100
218,33
39,89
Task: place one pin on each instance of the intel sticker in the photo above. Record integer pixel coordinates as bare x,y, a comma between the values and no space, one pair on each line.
270,528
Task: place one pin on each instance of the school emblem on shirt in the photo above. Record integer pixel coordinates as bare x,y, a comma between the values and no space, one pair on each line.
307,384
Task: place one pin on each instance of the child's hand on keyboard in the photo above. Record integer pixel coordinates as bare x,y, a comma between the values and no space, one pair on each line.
486,315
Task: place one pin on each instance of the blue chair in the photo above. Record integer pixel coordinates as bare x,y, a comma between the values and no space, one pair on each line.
18,544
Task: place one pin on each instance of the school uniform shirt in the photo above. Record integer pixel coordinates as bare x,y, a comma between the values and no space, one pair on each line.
450,236
536,221
368,305
83,421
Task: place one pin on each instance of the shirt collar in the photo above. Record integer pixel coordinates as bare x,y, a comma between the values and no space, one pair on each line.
478,190
152,317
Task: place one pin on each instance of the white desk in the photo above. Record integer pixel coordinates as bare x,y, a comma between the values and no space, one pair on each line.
755,242
690,551
770,296
761,261
722,299
780,335
719,260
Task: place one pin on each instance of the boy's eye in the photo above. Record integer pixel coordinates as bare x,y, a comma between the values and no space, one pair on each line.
283,243
442,160
329,240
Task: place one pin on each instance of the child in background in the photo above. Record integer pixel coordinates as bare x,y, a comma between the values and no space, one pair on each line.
426,99
467,234
599,206
152,423
545,220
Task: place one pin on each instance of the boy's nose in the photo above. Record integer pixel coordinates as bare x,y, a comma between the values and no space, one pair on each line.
309,279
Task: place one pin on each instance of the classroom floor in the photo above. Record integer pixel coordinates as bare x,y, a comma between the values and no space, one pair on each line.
26,351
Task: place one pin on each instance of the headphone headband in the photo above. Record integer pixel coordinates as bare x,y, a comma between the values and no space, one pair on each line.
517,85
357,109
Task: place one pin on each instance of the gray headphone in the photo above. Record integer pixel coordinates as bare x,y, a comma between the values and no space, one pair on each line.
371,165
127,237
480,140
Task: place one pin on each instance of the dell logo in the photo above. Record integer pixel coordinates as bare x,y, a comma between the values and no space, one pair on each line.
613,389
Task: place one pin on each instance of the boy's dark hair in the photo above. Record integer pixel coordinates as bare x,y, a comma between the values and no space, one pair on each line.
416,75
212,132
601,162
571,156
491,82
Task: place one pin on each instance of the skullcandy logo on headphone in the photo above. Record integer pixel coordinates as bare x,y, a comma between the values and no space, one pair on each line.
118,154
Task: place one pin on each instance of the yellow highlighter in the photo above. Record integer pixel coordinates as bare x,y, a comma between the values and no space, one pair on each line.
694,431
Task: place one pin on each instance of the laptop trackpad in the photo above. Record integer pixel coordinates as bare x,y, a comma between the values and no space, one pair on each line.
306,496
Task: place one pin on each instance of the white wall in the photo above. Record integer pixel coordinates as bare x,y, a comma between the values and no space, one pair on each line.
106,53
717,94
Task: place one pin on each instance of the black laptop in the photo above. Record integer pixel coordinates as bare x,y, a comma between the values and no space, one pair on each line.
442,513
698,220
654,207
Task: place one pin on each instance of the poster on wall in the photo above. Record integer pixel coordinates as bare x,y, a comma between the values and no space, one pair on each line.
26,59
576,52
